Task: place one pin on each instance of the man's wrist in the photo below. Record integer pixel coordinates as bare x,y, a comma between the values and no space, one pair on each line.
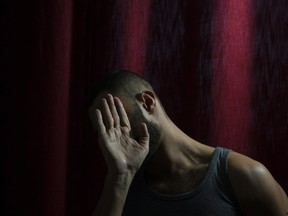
121,181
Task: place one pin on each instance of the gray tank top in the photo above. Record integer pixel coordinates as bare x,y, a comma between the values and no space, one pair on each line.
212,197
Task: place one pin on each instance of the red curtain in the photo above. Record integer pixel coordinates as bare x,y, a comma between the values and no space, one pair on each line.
219,67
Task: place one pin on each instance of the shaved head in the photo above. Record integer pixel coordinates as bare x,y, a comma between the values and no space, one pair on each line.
122,82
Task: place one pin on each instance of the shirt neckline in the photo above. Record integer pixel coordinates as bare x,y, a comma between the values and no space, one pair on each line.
163,196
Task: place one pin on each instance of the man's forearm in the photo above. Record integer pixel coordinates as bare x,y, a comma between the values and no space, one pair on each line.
114,195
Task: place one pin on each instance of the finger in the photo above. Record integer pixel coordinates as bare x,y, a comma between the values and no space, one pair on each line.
99,121
144,136
124,121
101,129
107,116
113,110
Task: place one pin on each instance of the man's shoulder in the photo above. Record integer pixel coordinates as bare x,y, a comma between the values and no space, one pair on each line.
248,174
254,186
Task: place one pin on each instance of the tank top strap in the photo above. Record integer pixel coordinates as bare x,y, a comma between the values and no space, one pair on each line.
222,158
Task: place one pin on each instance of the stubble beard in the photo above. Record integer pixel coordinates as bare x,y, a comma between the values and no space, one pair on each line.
153,129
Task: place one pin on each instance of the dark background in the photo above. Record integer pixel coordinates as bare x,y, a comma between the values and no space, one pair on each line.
219,67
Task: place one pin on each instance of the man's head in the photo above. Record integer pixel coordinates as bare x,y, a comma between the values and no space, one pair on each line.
138,98
122,82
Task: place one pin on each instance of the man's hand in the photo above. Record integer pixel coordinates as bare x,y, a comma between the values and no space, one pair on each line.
122,153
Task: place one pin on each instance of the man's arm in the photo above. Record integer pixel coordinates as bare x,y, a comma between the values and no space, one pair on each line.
255,188
123,154
113,195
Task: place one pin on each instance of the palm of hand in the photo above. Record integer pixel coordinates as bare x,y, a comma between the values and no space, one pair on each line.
121,151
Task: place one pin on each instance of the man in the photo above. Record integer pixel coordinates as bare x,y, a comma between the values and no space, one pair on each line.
156,169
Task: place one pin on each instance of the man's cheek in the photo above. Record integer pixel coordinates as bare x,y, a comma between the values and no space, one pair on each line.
135,127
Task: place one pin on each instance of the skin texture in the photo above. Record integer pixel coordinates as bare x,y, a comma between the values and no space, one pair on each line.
257,191
175,162
123,154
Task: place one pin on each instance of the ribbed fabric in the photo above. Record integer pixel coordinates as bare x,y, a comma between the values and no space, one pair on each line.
213,196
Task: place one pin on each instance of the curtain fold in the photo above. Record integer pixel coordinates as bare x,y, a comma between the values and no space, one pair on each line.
232,67
219,68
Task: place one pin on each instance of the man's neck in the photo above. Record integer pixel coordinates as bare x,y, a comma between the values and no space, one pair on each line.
179,164
175,155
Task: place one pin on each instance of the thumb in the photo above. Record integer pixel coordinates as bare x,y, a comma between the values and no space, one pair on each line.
144,135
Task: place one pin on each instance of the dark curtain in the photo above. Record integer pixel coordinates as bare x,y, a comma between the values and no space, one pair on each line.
219,67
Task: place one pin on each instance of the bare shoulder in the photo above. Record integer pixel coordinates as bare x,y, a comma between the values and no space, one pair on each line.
257,191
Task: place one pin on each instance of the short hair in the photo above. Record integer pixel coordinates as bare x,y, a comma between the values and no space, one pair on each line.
121,81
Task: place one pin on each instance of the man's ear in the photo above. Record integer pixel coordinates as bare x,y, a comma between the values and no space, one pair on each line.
148,100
